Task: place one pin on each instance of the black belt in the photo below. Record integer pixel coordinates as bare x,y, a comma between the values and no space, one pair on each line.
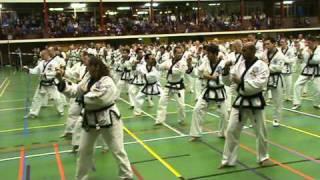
86,126
215,90
171,85
250,106
152,90
275,79
316,70
47,83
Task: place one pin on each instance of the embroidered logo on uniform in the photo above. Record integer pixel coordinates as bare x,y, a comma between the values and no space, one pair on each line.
254,71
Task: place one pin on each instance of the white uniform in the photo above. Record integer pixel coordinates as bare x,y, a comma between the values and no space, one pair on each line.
275,82
125,67
249,104
259,49
137,81
214,92
174,87
287,71
198,81
100,116
151,86
311,71
47,72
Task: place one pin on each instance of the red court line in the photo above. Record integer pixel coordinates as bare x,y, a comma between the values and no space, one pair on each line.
59,162
136,172
293,170
21,164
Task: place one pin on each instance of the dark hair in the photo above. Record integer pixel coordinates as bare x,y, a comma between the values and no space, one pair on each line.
214,49
101,68
139,49
311,38
177,47
271,39
126,50
147,56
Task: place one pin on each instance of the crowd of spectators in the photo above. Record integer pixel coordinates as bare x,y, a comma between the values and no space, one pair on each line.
84,24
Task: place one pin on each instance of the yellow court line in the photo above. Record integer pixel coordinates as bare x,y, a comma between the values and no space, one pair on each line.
154,154
299,130
3,82
4,89
286,126
57,125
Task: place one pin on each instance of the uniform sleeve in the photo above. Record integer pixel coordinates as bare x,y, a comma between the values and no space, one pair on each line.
258,81
290,58
103,92
277,64
180,68
37,69
316,57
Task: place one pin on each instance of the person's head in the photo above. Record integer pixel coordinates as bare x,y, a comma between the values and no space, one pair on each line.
252,37
283,42
85,58
51,51
139,52
269,43
150,59
97,68
178,52
237,45
125,53
311,42
212,52
300,36
45,55
249,51
162,49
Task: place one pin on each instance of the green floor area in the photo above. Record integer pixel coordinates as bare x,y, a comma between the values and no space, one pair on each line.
294,147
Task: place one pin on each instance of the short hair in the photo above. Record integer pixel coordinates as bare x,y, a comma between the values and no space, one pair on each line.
271,39
214,49
139,49
126,50
312,38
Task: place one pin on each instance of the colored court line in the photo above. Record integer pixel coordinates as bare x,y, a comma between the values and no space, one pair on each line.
297,129
289,149
21,164
58,125
165,124
5,87
289,168
295,171
286,126
238,162
59,162
12,109
154,154
3,82
136,172
243,170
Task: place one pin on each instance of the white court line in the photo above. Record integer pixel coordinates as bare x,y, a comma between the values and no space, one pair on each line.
165,124
12,100
12,109
126,143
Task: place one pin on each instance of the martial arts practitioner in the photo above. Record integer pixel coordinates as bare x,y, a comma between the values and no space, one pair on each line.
258,44
138,79
75,75
213,93
275,60
199,58
151,87
162,55
235,56
251,76
311,71
46,70
125,67
100,116
289,60
175,68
